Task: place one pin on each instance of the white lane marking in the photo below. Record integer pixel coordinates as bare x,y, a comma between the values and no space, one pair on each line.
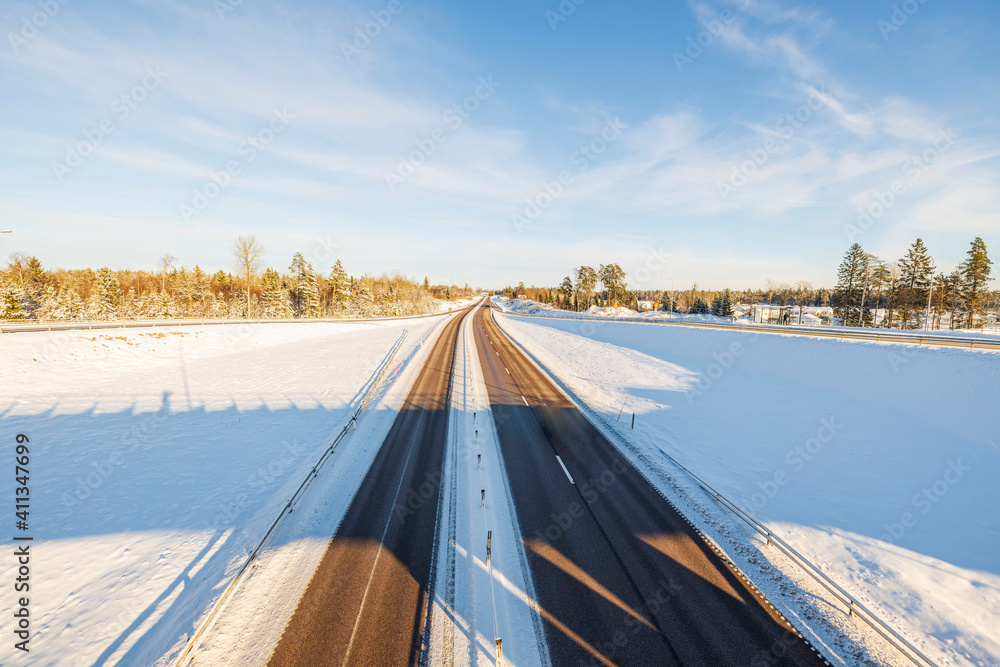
525,401
506,369
565,470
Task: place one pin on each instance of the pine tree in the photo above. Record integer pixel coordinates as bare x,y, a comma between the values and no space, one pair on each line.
916,269
586,280
975,272
340,285
10,302
850,283
566,289
199,286
880,279
612,277
275,296
305,292
104,295
726,306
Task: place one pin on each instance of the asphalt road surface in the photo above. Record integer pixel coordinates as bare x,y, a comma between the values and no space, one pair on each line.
366,603
620,576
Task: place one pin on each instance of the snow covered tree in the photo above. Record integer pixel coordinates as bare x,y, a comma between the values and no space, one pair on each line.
10,302
915,269
975,272
104,295
199,285
340,292
275,296
305,289
850,283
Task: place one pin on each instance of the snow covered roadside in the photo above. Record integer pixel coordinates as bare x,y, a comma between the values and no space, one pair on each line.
463,625
160,457
877,461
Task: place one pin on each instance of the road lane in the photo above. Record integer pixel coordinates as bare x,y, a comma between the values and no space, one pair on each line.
622,578
366,603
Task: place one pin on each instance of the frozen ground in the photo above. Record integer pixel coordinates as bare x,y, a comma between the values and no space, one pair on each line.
879,462
159,458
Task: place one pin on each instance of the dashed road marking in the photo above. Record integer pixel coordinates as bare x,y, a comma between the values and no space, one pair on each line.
569,476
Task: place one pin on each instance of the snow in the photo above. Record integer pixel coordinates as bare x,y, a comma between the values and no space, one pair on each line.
879,462
445,306
159,459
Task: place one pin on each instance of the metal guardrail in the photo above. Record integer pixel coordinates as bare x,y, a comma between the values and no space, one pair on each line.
854,608
19,326
877,336
192,644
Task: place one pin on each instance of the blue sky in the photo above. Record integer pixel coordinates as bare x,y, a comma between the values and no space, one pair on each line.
723,142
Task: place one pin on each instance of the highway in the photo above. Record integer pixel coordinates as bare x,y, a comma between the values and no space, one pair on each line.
620,576
367,601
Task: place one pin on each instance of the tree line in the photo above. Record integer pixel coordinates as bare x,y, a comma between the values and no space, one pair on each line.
906,294
868,289
606,286
29,291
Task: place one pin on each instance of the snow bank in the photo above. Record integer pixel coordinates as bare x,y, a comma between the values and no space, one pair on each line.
879,462
159,458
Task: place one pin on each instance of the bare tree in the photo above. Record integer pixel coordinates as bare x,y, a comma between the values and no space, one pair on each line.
771,286
248,256
165,263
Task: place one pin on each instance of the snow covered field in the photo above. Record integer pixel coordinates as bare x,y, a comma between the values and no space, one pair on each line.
879,462
159,458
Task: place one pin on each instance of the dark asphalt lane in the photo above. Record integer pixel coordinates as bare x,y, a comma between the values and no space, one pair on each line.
367,601
620,576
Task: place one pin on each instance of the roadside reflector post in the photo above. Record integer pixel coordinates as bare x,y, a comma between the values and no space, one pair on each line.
633,420
489,545
479,460
499,650
482,501
622,409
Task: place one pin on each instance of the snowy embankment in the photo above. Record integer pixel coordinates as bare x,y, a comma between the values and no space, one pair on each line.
159,459
879,462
